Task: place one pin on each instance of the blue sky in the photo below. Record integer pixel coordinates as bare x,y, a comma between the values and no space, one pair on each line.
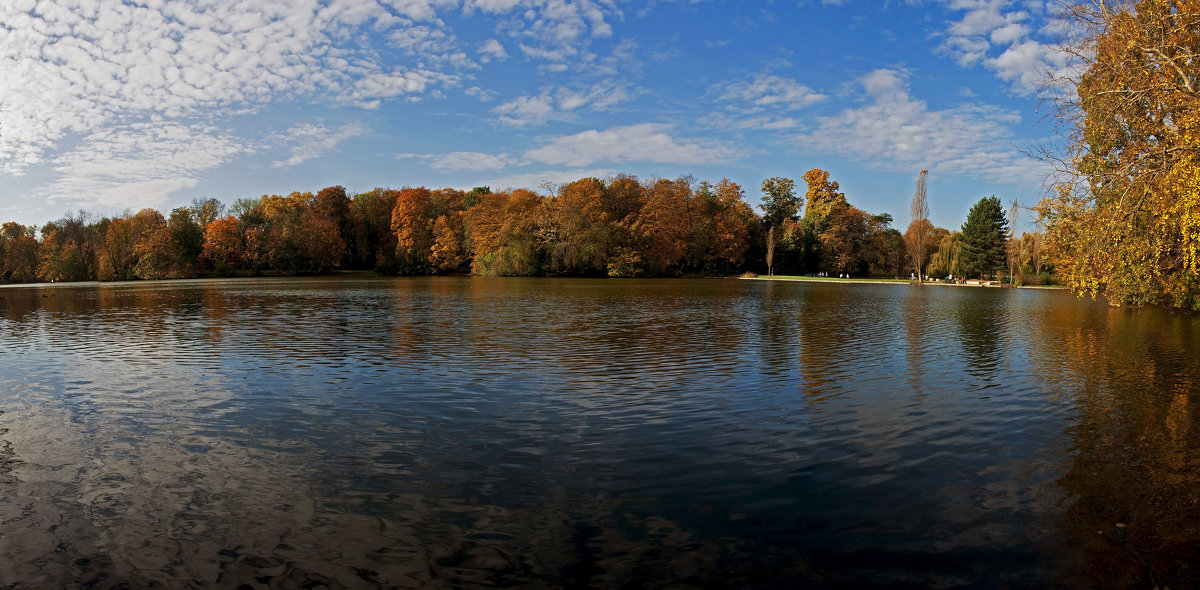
109,105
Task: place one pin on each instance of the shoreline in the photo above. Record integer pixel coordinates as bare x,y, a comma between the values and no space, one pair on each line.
876,281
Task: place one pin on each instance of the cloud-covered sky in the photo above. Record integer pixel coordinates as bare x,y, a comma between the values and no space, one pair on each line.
108,105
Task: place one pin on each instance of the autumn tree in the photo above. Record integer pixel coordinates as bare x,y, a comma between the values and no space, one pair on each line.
821,197
117,258
414,216
294,233
412,222
186,239
917,237
583,228
322,248
446,253
207,210
157,256
733,221
485,222
846,238
507,234
68,251
224,244
450,240
919,232
622,198
822,194
983,239
152,251
662,226
472,197
20,258
374,241
272,236
1126,223
886,252
1031,251
332,204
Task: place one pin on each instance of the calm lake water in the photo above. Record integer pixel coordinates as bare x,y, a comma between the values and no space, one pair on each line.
471,432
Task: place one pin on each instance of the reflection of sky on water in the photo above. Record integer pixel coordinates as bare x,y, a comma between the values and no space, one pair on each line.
546,432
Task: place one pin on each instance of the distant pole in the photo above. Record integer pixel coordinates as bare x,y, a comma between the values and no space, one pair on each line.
1014,252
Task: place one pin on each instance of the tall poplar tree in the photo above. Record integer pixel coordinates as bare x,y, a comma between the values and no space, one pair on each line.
916,239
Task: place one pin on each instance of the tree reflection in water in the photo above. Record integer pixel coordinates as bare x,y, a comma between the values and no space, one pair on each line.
1133,483
590,433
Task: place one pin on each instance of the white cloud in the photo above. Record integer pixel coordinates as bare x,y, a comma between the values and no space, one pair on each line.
423,39
551,30
895,130
768,91
561,103
66,72
469,161
484,95
646,142
311,140
526,110
998,34
420,10
459,161
370,88
764,102
1009,33
492,50
138,165
1024,63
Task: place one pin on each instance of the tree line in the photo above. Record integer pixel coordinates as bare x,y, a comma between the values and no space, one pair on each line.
619,227
985,246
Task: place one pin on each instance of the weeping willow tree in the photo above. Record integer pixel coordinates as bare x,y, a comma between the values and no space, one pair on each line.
1126,223
946,260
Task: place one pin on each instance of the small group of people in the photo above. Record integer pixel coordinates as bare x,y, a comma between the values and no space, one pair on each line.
841,275
950,278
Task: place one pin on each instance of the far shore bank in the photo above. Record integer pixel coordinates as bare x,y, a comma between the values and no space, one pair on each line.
879,281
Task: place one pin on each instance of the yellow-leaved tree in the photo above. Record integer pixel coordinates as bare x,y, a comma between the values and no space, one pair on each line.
1128,224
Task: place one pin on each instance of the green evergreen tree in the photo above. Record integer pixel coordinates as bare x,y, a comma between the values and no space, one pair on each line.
983,238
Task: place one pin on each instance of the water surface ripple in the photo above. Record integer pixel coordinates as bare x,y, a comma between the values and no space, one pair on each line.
472,432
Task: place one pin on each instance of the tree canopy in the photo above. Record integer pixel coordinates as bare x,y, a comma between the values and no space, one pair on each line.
983,238
1127,224
779,201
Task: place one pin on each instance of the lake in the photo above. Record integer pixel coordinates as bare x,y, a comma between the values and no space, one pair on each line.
457,432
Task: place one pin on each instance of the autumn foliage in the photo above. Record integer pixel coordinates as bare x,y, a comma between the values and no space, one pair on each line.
616,227
1125,223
